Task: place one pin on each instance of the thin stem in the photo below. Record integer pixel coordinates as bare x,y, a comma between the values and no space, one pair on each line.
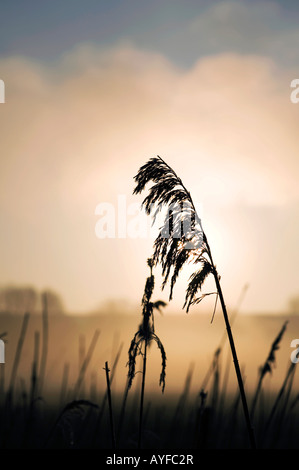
64,383
142,395
280,394
122,412
110,405
34,377
234,353
45,344
86,363
257,392
18,352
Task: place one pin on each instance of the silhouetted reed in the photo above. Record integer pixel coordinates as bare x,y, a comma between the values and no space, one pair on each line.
182,240
114,366
18,356
2,372
107,370
145,335
64,383
290,372
267,367
85,364
45,340
175,430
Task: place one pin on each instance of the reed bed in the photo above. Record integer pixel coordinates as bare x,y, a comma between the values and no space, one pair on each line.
92,418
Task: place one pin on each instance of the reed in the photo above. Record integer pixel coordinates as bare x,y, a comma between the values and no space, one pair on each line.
18,355
182,240
267,367
86,363
81,357
176,430
113,370
144,336
45,340
34,373
289,374
122,412
64,383
107,370
2,372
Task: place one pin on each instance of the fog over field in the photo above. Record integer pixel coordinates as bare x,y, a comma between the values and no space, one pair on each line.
188,339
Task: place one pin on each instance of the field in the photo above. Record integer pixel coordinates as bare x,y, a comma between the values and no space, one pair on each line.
54,390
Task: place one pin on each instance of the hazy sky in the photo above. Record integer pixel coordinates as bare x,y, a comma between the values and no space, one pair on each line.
94,89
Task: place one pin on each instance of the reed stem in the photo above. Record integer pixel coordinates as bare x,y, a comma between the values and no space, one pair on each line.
235,357
107,370
142,395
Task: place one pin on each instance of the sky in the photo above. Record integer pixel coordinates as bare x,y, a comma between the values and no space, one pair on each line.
94,89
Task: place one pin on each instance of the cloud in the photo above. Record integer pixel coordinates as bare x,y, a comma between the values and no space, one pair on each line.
75,132
265,28
228,24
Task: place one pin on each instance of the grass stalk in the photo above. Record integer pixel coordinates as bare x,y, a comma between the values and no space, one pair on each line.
234,355
107,370
267,367
122,412
86,363
103,405
45,340
64,383
34,374
289,374
142,394
81,356
2,382
18,354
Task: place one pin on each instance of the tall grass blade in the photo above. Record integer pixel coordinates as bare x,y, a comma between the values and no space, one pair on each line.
86,363
81,356
45,340
110,406
142,394
64,383
268,366
18,353
289,373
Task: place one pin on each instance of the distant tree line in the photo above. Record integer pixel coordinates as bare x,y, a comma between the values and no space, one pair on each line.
18,300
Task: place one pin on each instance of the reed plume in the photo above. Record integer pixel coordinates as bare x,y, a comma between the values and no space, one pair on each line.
145,335
182,240
268,366
146,331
